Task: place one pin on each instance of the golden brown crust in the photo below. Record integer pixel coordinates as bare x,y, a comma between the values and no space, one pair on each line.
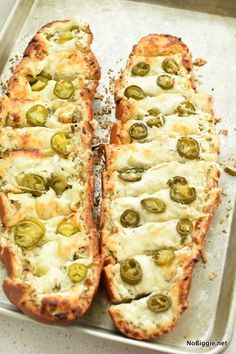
162,44
116,134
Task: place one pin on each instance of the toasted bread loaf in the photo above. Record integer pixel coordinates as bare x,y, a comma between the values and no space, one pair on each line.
160,187
49,241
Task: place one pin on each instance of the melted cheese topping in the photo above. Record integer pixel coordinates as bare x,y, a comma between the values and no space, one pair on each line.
22,204
67,66
17,163
60,112
32,138
155,64
174,126
156,178
149,84
80,39
158,151
137,314
173,209
56,277
53,257
167,103
61,66
154,278
151,236
19,206
23,89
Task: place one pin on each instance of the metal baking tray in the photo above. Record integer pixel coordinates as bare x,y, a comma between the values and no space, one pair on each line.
209,30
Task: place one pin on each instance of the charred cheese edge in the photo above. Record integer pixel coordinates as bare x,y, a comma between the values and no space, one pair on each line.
47,181
152,158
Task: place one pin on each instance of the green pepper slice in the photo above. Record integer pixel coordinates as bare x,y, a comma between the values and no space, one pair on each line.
29,232
43,76
163,256
65,37
140,69
64,89
153,205
77,272
37,115
67,228
129,218
157,122
134,92
159,303
176,180
58,184
75,28
170,66
154,112
49,36
182,193
165,81
138,131
184,227
131,175
131,271
185,109
40,82
188,147
60,142
39,85
32,183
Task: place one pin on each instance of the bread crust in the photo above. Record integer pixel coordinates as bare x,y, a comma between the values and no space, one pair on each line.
146,50
51,306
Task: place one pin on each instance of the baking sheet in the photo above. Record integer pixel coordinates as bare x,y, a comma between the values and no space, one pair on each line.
117,25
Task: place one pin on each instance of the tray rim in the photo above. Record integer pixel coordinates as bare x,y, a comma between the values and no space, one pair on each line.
118,338
103,333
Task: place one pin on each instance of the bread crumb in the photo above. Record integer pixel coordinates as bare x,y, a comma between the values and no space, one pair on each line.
224,132
217,119
203,256
199,62
98,97
212,276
